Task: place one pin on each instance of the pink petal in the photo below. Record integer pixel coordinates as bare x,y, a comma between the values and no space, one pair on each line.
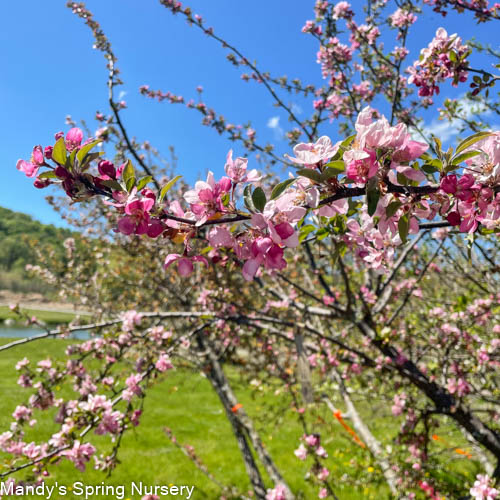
170,259
250,268
126,225
185,266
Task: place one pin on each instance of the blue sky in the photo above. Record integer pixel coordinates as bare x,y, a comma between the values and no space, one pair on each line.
50,70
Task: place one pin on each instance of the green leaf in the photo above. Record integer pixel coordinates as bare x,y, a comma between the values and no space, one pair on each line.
59,152
429,169
70,161
259,198
247,198
49,174
225,199
305,231
128,176
439,145
403,227
128,171
471,140
464,156
392,208
93,156
322,233
372,195
347,142
333,168
280,188
452,56
80,156
166,188
144,182
314,175
112,184
402,179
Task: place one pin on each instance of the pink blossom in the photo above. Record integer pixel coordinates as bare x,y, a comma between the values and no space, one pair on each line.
301,452
323,493
130,319
163,364
184,264
237,170
402,18
22,413
277,493
30,169
321,452
206,197
265,252
323,474
399,404
74,138
220,236
482,489
79,454
342,10
312,440
107,169
310,155
110,423
361,165
449,184
137,218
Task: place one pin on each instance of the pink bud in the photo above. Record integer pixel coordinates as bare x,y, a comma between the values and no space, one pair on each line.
41,183
74,138
62,173
37,156
454,218
106,168
449,184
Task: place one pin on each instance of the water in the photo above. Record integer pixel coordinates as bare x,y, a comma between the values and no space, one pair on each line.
23,331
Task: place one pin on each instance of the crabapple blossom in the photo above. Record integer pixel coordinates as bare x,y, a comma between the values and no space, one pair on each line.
310,155
482,489
184,264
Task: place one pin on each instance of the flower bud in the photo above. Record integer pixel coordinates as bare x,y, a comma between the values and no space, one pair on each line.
62,173
106,168
41,183
449,184
454,218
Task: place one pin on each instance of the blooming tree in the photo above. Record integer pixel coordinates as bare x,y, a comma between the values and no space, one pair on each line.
370,269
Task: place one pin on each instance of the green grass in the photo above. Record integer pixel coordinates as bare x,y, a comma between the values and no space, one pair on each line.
48,317
185,402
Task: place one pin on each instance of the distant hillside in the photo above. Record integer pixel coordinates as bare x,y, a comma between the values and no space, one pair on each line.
17,231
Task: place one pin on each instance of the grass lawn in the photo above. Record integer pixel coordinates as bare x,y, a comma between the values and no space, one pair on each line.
185,402
48,317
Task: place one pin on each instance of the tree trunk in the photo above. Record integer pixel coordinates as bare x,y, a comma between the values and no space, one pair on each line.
369,439
241,422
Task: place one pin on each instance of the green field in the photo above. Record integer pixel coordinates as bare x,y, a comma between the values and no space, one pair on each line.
48,317
185,402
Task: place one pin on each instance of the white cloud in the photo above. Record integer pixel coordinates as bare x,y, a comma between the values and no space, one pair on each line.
122,94
446,130
296,109
274,124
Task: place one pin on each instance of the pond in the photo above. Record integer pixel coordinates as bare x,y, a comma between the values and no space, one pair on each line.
14,332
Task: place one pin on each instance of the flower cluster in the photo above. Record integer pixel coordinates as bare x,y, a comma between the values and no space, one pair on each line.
483,490
444,58
379,162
